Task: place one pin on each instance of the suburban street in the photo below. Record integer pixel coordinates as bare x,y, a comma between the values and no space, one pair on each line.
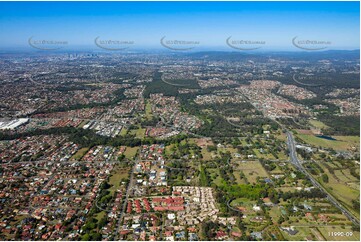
125,203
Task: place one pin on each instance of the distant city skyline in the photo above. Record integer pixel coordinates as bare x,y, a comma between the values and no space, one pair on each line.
272,25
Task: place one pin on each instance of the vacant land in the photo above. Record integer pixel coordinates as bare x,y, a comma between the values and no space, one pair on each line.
130,152
252,170
338,186
80,153
117,175
139,133
123,131
215,176
318,124
267,156
148,111
206,154
341,142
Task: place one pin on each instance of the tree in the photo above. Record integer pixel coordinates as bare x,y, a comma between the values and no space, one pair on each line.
102,222
96,237
85,237
324,178
121,157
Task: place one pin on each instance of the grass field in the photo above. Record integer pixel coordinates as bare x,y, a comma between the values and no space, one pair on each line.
238,178
318,124
139,133
252,170
281,136
341,142
130,152
282,156
216,177
340,189
148,111
82,124
244,202
243,142
168,149
206,155
117,175
275,213
345,176
79,154
123,132
227,149
100,215
259,155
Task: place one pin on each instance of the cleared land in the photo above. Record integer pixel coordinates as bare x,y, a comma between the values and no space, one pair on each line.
80,153
341,142
318,124
123,131
117,175
130,152
338,186
252,170
148,111
139,133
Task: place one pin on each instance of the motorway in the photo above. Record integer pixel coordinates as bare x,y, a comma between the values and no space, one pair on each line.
296,162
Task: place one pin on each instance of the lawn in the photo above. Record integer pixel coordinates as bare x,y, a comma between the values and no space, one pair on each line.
243,142
130,152
244,202
252,170
343,193
340,189
139,133
341,142
148,111
318,124
206,155
275,213
345,175
216,177
238,178
100,215
117,175
260,155
79,154
168,149
123,132
282,156
281,137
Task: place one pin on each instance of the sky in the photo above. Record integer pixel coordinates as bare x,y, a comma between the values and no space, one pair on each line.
274,24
